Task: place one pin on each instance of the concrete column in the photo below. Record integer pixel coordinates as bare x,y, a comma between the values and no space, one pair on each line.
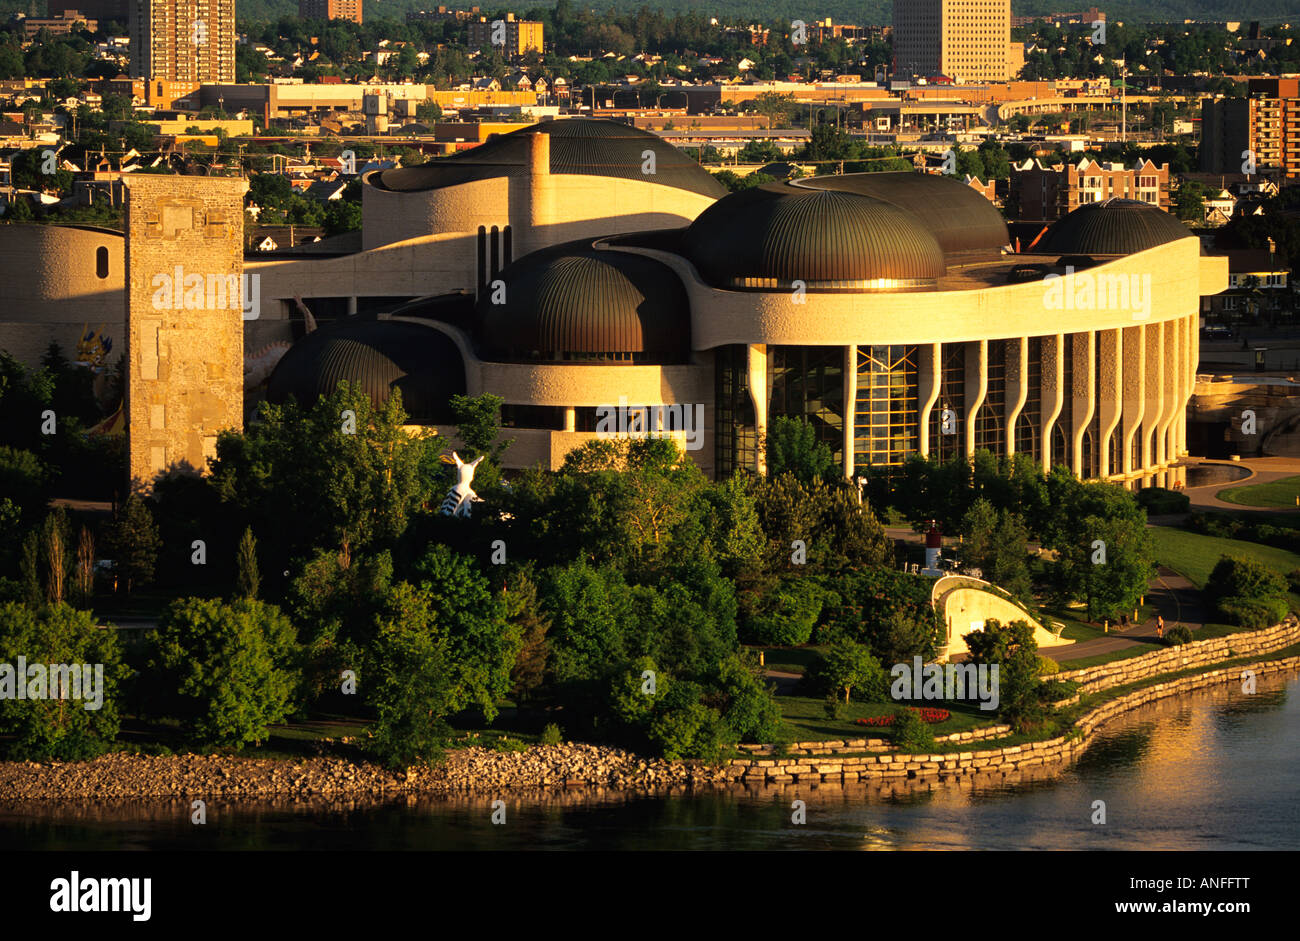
1017,386
1134,379
1084,392
929,373
1168,391
1155,398
1110,401
570,419
757,360
540,196
1053,392
352,306
850,405
977,387
1189,386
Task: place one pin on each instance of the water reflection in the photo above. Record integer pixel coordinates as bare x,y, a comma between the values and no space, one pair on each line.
1214,769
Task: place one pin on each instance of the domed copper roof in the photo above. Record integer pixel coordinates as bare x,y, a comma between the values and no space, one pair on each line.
959,218
574,301
578,145
1111,227
378,356
767,237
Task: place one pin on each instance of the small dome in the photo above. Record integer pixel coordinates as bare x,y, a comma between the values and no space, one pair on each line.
575,302
1111,227
772,235
378,356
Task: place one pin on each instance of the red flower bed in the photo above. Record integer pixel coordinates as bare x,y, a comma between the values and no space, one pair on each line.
926,713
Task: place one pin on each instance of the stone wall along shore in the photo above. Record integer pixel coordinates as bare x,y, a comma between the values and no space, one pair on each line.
1014,758
1187,656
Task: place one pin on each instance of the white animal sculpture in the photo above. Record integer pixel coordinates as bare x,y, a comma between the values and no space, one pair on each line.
461,495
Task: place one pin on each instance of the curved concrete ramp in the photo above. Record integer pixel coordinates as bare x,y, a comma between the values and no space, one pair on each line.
965,603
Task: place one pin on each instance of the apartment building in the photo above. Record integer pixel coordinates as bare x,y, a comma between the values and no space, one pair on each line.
968,40
1044,193
1262,128
183,40
520,35
330,10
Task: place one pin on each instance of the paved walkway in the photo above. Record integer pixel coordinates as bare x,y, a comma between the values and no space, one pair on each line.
1265,470
1173,596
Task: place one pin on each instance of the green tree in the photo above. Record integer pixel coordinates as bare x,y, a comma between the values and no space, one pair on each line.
478,426
336,473
848,666
524,612
484,643
58,727
247,579
792,446
1014,651
132,543
410,687
227,671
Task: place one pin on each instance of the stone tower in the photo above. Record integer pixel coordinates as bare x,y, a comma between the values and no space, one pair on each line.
186,300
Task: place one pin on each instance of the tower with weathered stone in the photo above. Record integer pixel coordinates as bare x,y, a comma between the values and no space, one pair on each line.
186,300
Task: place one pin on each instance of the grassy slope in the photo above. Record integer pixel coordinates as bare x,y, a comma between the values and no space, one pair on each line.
1194,555
1277,493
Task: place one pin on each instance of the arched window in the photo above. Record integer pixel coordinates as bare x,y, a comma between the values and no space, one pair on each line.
1060,448
1089,463
1026,436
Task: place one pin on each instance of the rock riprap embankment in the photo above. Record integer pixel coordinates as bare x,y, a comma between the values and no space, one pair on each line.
128,775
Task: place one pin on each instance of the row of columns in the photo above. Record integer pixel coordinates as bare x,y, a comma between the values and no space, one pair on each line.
1128,378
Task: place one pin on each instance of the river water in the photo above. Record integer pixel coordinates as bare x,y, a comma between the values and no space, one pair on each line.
1214,769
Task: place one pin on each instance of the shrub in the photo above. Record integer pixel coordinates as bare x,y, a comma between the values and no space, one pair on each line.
787,615
1293,580
683,727
1253,613
1047,666
227,671
1159,501
53,727
1238,577
911,732
1178,635
552,735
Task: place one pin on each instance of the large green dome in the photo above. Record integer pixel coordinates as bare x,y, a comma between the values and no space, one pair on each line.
770,236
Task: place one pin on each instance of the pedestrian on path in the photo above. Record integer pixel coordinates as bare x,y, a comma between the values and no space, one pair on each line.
1160,626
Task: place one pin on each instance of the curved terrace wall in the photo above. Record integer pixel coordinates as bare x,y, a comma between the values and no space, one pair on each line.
840,762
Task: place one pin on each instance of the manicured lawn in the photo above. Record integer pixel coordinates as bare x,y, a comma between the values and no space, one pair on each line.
1077,629
1275,493
806,720
1195,556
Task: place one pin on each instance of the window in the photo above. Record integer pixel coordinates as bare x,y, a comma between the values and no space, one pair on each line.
952,397
736,436
808,382
887,407
101,262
